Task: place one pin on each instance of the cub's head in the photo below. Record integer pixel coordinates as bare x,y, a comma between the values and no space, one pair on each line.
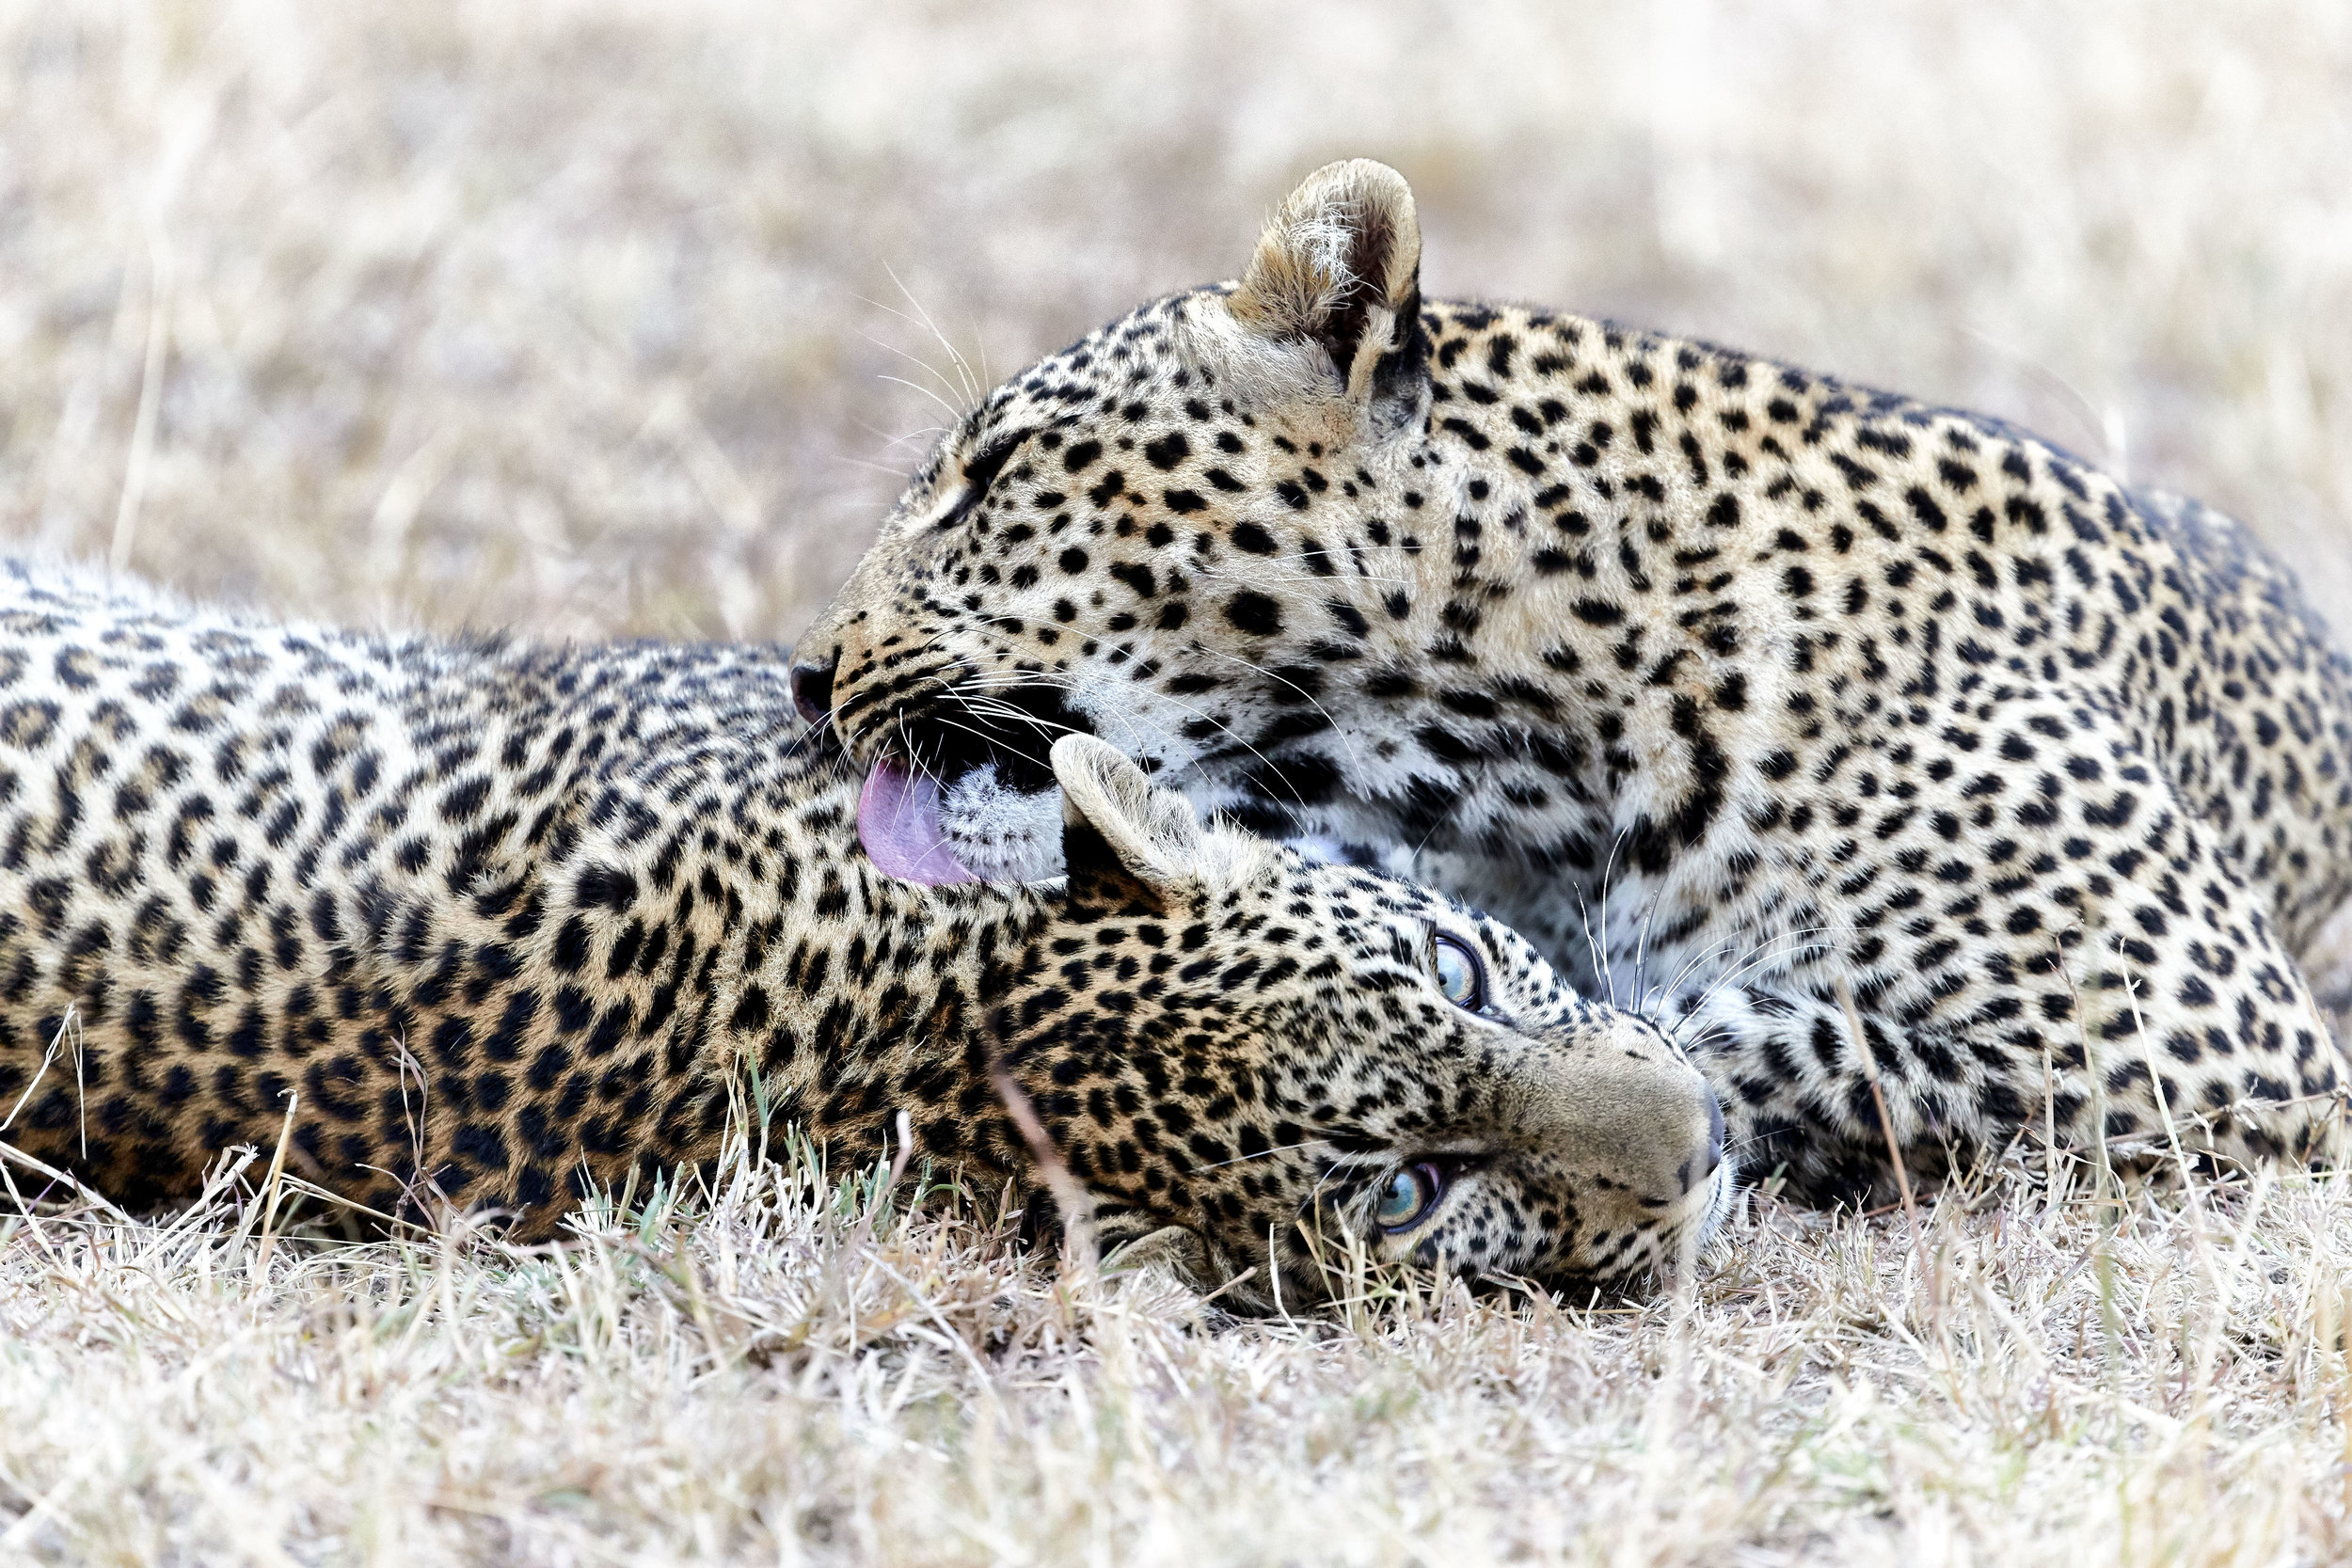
1193,533
1282,1060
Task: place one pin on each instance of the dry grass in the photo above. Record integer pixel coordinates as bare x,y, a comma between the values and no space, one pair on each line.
576,317
791,1370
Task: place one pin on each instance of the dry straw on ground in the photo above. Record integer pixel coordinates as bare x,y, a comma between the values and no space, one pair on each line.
580,317
788,1371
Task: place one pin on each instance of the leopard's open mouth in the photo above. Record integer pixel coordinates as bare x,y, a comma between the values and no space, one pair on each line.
962,789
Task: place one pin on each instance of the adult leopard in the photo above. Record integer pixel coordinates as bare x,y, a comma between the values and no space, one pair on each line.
509,920
1742,690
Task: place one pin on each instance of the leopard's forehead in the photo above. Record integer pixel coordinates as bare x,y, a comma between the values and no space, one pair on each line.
1097,380
1314,931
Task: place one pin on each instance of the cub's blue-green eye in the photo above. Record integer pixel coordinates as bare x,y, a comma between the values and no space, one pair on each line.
1407,1198
1461,974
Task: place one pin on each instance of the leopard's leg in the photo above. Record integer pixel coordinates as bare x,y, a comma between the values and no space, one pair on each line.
2037,935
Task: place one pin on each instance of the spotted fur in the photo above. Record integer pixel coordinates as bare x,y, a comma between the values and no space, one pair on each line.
1734,685
508,920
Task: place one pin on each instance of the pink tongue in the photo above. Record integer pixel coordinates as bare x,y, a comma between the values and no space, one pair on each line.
897,821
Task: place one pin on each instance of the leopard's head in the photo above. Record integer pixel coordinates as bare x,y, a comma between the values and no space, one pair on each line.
1291,1063
1193,533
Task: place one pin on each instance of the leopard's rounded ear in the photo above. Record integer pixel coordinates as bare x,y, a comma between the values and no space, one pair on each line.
1338,272
1124,840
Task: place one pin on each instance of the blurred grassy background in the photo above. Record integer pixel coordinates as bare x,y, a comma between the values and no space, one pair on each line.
582,317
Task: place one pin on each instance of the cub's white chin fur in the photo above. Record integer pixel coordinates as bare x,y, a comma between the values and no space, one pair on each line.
1002,835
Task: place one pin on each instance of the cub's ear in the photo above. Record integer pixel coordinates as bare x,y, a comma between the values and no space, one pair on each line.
1123,841
1339,269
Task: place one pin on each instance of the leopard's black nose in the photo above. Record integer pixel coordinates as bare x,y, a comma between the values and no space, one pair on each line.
812,688
1699,1167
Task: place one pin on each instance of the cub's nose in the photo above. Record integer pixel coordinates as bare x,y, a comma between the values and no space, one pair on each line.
812,688
1702,1164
